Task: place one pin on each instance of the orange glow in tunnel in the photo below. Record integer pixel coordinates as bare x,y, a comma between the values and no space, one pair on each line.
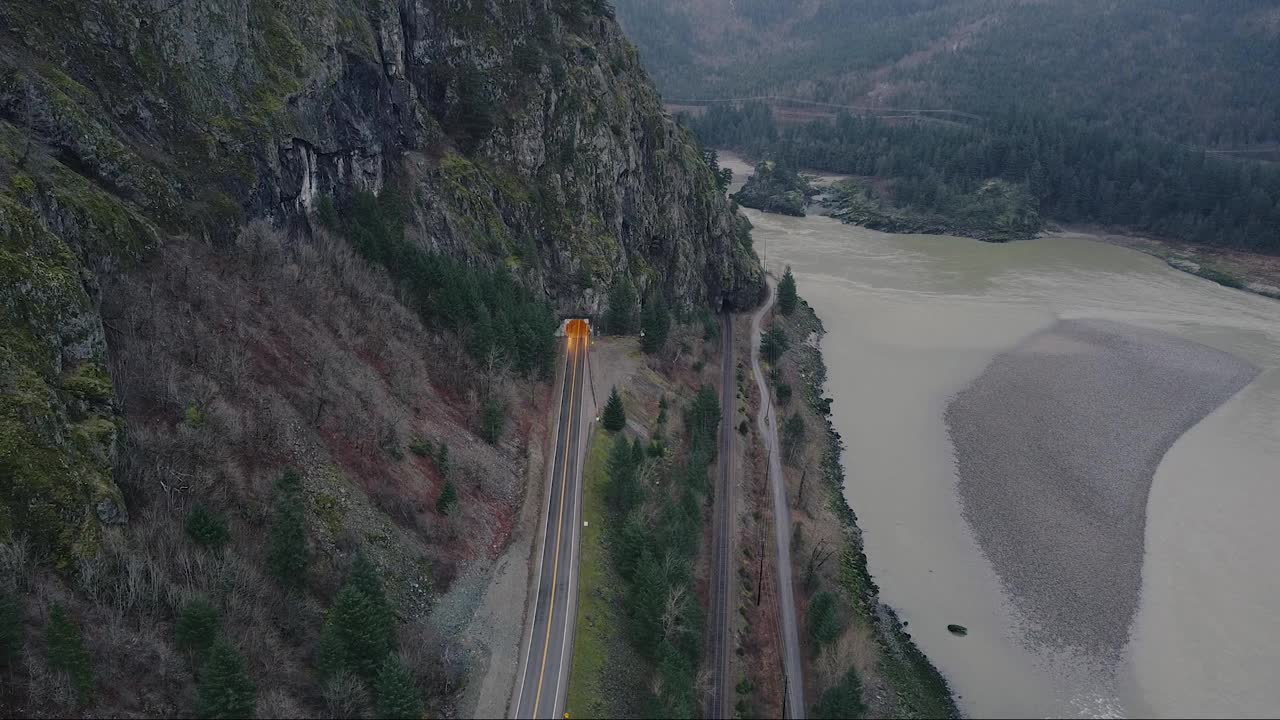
576,328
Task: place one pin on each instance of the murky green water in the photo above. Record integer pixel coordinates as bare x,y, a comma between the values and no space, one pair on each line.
912,320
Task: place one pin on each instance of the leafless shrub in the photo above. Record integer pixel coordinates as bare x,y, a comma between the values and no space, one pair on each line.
278,703
53,688
16,566
398,506
345,696
420,650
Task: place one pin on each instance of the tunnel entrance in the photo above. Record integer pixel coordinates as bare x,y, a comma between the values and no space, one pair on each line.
574,327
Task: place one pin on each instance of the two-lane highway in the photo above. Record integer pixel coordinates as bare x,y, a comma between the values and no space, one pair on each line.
544,673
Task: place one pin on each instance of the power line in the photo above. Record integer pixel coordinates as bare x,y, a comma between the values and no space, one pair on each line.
816,103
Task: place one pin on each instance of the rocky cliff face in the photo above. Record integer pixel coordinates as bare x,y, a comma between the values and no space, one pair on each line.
520,133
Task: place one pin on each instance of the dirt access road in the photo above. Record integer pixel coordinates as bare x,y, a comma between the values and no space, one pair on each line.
766,419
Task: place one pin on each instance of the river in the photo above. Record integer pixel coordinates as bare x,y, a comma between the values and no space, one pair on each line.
914,319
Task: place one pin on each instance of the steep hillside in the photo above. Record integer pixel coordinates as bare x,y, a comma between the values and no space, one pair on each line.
202,352
1190,71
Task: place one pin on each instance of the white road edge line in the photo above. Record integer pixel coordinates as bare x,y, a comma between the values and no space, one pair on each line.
571,590
533,620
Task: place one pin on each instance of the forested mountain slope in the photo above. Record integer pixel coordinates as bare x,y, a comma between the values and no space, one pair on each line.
1071,172
1146,115
277,284
1199,72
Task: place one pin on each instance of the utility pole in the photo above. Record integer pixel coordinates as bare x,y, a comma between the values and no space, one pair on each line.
786,691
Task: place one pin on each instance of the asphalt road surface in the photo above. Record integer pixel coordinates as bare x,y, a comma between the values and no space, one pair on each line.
544,675
720,633
767,421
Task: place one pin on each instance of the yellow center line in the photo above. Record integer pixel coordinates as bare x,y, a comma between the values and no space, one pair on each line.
555,568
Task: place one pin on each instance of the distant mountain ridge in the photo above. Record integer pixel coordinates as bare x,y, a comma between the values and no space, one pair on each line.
1187,71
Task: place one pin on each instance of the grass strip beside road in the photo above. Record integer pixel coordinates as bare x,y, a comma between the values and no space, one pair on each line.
599,621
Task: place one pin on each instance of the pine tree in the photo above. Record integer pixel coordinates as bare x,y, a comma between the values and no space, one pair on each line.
365,578
442,459
197,627
10,629
787,298
656,324
620,319
493,421
774,344
824,624
225,688
615,416
67,652
842,701
287,556
792,435
207,528
332,655
358,625
623,493
395,693
448,500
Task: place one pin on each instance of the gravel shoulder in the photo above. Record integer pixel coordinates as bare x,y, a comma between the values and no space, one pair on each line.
1057,443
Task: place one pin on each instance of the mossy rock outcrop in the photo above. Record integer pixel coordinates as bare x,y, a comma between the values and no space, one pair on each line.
58,425
776,189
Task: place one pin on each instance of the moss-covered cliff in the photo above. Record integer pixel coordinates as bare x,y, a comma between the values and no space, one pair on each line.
519,133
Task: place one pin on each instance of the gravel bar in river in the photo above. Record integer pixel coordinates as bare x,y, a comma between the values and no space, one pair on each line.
1056,445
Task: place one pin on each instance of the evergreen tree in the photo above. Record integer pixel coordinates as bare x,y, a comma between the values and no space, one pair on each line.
620,319
327,212
448,500
792,436
710,326
773,344
207,528
332,655
10,629
615,416
787,293
67,653
225,689
197,627
824,622
645,603
656,324
842,701
784,393
623,493
703,418
394,690
287,556
358,625
442,459
494,420
365,578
